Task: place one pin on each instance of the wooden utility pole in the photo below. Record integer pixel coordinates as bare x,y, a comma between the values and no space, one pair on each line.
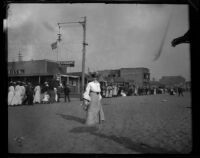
83,57
83,23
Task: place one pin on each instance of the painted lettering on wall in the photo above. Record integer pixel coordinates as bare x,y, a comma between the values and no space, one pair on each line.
15,72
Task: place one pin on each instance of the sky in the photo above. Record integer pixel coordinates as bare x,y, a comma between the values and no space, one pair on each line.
118,36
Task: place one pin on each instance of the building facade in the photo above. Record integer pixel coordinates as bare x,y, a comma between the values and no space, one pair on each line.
39,71
133,76
136,76
170,81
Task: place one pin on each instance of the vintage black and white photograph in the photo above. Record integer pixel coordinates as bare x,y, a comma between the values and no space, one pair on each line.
99,78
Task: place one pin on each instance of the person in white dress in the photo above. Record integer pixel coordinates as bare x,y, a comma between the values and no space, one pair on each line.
37,91
92,95
23,91
114,90
56,94
107,91
45,100
136,90
11,93
123,94
17,97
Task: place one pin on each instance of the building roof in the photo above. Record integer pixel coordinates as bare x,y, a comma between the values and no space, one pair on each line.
172,80
136,68
35,68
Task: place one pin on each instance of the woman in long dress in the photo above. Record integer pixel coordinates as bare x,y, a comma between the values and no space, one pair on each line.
17,97
92,94
11,93
37,97
23,91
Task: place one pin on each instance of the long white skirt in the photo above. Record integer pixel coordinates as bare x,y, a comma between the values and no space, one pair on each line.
10,97
37,97
95,112
17,100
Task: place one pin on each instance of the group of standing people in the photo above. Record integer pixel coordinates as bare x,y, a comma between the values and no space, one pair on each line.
174,91
21,93
109,91
113,90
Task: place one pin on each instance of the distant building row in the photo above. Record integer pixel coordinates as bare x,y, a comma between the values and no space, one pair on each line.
132,76
44,70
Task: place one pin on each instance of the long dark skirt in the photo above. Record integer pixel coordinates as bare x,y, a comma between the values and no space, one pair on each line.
52,96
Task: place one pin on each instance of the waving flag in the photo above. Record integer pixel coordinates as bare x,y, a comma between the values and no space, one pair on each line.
54,45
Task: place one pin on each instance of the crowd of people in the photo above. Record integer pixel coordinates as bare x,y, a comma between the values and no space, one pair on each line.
27,93
21,93
114,90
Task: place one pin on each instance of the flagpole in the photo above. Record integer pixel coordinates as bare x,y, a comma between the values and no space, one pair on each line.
57,50
58,40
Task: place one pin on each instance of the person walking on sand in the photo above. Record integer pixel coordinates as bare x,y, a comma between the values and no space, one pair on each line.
92,95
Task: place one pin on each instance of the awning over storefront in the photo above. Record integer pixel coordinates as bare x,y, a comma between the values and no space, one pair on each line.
70,76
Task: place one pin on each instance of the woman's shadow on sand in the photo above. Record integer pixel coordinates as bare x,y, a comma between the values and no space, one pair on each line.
124,141
72,118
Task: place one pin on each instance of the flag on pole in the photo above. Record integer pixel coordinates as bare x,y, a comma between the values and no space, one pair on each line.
54,45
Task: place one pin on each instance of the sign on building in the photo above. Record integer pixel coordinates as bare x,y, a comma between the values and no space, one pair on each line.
15,72
67,63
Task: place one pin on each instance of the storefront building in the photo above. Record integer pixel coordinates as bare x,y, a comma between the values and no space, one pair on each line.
136,76
172,81
39,71
131,76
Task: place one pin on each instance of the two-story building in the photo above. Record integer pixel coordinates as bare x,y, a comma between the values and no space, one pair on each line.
133,76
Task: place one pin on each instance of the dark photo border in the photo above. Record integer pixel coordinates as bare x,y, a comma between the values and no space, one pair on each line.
194,57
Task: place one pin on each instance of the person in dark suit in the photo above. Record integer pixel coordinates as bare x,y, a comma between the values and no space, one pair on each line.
180,91
29,94
66,91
